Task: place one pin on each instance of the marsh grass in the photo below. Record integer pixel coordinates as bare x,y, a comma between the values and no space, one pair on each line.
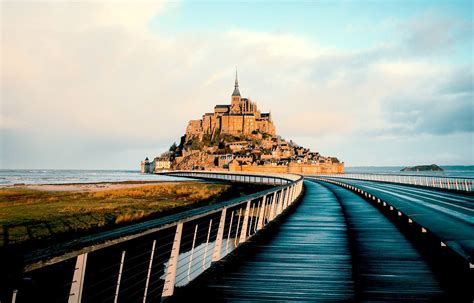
27,214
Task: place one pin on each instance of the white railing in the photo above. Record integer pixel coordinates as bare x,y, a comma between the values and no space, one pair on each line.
449,183
148,265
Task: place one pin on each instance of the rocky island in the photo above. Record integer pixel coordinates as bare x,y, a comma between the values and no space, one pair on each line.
239,137
423,168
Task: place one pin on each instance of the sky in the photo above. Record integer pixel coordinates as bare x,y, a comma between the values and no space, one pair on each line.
102,85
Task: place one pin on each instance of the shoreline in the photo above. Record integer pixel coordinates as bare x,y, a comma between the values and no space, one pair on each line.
89,186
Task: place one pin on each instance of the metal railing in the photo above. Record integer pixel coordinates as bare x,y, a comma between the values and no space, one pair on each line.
149,266
449,183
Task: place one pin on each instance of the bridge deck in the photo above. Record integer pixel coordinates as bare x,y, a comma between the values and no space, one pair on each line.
386,265
448,215
313,255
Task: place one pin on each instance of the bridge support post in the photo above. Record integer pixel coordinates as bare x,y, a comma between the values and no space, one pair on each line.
262,213
243,232
216,256
168,288
77,284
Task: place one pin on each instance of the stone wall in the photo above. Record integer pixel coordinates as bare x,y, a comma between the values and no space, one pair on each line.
293,168
194,127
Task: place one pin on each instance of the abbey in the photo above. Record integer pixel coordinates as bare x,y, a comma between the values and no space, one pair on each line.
239,137
241,117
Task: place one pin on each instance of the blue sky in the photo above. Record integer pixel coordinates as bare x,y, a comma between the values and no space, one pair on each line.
104,84
331,23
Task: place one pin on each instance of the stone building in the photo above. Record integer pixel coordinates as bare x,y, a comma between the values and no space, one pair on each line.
145,166
161,163
241,117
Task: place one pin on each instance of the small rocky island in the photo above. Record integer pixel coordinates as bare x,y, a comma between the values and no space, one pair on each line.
422,168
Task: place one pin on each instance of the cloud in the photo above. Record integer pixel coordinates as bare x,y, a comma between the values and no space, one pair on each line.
79,16
431,33
445,107
461,81
276,44
93,78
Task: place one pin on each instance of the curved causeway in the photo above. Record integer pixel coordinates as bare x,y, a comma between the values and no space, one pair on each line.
335,246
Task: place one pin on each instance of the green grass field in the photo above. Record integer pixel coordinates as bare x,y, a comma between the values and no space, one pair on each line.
30,215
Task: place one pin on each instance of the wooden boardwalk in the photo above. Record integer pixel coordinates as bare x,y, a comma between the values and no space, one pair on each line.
334,247
386,265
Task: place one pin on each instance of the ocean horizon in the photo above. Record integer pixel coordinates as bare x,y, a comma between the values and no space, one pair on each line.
68,176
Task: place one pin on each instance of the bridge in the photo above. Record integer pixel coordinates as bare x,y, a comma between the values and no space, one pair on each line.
318,238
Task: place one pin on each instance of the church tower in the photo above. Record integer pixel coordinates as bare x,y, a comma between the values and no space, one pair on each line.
235,103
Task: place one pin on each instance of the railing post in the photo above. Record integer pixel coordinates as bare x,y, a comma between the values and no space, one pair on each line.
228,232
262,213
273,207
292,196
207,243
287,197
280,203
237,228
15,292
148,274
77,284
292,187
252,211
216,256
243,232
192,252
283,201
168,288
253,225
119,277
288,201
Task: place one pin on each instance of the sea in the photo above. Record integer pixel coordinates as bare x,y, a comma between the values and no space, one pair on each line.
68,176
461,171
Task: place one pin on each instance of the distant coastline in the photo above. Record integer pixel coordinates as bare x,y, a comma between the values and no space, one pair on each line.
68,176
466,171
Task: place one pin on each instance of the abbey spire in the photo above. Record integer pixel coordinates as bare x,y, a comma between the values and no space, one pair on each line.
236,85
